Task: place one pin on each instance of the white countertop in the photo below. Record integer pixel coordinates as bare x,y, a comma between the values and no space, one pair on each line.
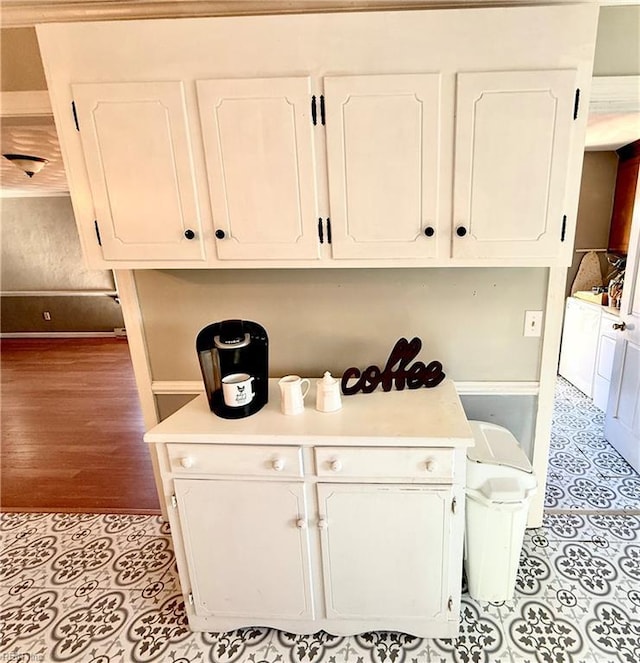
412,417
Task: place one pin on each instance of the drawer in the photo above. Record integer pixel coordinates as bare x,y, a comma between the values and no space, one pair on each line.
229,459
385,463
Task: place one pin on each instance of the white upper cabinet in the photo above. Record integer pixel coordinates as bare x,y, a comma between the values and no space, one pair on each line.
383,153
337,139
513,136
258,143
137,151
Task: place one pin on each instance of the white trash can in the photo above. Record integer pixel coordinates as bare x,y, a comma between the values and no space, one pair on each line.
500,485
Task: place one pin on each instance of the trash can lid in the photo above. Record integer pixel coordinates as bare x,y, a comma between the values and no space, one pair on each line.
495,445
504,489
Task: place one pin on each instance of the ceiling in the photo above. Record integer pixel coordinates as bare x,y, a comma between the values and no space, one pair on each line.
32,137
609,131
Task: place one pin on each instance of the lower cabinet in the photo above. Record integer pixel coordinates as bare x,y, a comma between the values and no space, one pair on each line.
385,550
247,548
344,522
303,554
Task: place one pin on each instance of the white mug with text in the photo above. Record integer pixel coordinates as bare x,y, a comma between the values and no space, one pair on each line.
237,389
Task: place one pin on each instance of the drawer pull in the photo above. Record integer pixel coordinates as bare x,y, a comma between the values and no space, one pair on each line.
322,523
431,465
335,465
278,464
301,523
187,462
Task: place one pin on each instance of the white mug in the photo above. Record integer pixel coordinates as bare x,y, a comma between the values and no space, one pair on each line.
237,390
293,393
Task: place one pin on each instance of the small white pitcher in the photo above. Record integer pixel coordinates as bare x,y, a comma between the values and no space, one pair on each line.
293,392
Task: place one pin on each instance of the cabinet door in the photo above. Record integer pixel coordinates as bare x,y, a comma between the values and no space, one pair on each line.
383,147
258,142
513,132
580,333
386,550
246,547
138,157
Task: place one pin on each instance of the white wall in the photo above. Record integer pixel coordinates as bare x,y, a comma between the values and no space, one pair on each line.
469,319
618,41
41,252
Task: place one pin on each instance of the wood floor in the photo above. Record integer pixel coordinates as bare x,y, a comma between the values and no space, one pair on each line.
72,428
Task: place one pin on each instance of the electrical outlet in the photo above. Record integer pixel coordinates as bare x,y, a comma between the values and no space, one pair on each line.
532,323
46,315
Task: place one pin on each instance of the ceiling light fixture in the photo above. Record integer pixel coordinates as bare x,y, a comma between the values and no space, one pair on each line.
29,165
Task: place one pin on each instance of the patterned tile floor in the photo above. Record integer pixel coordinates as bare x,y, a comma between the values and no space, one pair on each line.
92,588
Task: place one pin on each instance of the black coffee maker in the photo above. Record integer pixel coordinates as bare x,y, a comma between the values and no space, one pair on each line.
234,361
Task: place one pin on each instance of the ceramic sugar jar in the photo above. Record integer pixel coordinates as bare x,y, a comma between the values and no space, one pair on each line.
328,397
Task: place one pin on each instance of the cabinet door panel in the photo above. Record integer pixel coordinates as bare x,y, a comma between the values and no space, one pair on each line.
138,156
260,160
245,553
513,132
383,145
385,550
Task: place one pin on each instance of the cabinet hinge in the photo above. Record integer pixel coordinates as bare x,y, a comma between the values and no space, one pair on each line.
174,501
576,104
563,232
321,234
314,109
75,115
190,597
454,505
95,225
450,604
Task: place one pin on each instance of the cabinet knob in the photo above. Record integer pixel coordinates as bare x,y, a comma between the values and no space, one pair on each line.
187,462
429,231
335,465
278,464
461,231
322,523
301,523
220,234
430,465
189,234
621,326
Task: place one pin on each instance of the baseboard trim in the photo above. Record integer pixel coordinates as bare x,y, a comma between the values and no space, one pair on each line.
110,334
168,387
